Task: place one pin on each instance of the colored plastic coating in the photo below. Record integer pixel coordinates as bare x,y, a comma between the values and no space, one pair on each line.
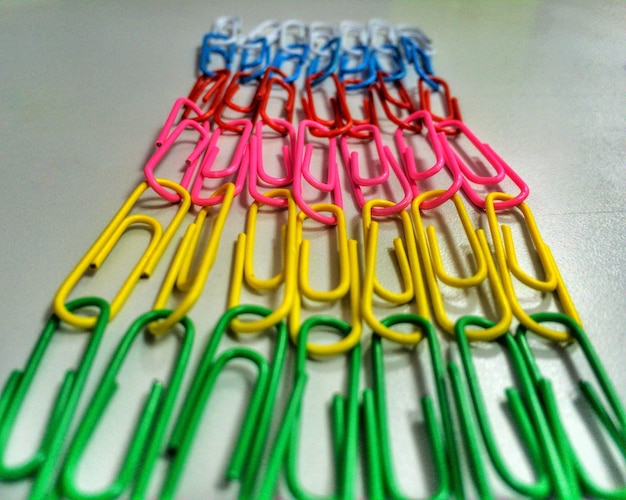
101,248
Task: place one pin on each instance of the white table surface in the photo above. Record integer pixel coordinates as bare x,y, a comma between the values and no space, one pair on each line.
84,88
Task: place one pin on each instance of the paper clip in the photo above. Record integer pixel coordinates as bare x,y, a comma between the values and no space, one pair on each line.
42,463
145,446
434,269
409,267
302,170
370,116
178,273
450,103
612,418
382,481
352,159
296,50
508,265
257,170
248,450
164,144
238,165
243,267
329,52
365,67
401,102
99,251
347,285
220,40
527,416
384,41
502,169
438,145
207,92
258,43
415,34
420,60
265,92
341,122
344,420
248,111
357,183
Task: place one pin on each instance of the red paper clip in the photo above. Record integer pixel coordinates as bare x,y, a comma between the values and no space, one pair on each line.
337,104
450,103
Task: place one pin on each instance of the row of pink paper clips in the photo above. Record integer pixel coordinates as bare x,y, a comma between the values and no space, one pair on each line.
386,171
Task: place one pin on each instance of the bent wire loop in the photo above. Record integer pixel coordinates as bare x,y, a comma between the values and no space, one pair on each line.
370,116
42,464
611,418
329,52
164,143
526,413
344,424
437,418
238,166
352,159
302,170
257,170
178,274
341,120
347,285
357,183
449,102
502,169
243,267
409,267
403,102
145,446
420,59
248,111
508,265
434,270
248,450
101,248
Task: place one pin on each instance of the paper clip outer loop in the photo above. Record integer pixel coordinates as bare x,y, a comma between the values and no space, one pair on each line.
101,248
434,269
247,452
165,146
441,438
341,111
243,267
410,269
147,440
178,272
451,104
614,421
348,283
265,92
508,264
526,411
403,101
42,463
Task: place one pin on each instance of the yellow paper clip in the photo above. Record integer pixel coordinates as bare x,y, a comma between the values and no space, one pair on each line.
408,263
508,264
348,283
101,248
434,269
243,267
178,273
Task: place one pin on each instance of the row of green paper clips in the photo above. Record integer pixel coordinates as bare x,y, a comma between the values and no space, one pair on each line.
557,467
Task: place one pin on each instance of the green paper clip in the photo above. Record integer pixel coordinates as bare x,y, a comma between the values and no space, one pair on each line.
145,446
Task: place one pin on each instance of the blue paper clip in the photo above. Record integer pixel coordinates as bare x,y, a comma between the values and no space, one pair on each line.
295,52
420,59
221,40
328,52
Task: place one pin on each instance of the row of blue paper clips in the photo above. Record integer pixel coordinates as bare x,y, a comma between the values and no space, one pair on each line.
349,49
267,446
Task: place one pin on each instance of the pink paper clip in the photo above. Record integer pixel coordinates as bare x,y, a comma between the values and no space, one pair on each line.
502,169
351,159
389,158
257,168
190,161
302,169
238,164
438,143
182,106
